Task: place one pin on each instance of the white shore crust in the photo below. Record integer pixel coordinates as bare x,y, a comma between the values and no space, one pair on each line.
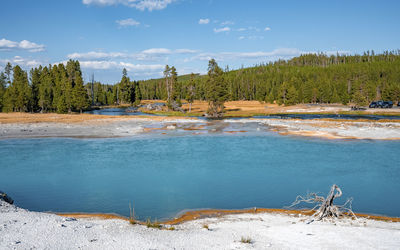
105,128
22,229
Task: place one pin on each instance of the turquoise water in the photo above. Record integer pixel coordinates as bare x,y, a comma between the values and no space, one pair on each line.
163,176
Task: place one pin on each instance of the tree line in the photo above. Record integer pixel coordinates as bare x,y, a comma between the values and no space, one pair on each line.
55,88
309,78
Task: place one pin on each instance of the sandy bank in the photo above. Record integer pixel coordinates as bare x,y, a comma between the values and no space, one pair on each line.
22,229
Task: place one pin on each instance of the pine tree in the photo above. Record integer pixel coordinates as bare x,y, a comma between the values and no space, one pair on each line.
190,92
45,91
3,84
8,70
168,84
216,91
35,83
62,105
176,88
138,94
18,94
291,96
79,94
125,88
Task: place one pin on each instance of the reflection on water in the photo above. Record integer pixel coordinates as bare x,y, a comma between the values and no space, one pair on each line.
122,111
162,176
114,111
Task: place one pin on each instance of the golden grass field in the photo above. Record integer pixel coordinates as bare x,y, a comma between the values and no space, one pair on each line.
252,108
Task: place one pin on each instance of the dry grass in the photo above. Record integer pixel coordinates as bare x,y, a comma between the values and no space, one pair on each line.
132,215
252,108
246,240
233,109
154,224
7,118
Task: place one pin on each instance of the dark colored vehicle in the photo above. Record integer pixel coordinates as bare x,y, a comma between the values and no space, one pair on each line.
382,104
387,105
398,103
373,105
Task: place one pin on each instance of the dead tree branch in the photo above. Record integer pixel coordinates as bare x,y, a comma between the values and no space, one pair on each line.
324,207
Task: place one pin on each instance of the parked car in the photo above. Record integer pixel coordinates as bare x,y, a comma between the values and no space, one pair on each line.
379,104
372,105
398,103
387,105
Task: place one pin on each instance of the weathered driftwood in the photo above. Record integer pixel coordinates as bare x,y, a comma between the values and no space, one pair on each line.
324,207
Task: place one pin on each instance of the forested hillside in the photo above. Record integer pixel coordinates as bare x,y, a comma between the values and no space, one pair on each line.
311,78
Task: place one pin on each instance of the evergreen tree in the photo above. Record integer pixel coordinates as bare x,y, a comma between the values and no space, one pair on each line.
138,94
216,91
45,91
18,94
35,83
168,84
125,88
176,87
190,92
79,94
62,105
3,84
292,96
8,70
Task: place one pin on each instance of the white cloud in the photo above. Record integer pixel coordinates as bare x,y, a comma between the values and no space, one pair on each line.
224,29
23,62
241,29
254,28
267,29
97,55
23,45
127,22
185,51
138,4
105,65
153,54
227,23
251,37
204,21
157,51
282,53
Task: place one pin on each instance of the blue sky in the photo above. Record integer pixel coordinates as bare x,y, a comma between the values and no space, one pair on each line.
145,35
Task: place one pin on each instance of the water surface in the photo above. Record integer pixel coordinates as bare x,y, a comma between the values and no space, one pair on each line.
162,176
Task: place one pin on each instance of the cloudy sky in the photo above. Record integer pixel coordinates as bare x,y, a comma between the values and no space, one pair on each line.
145,35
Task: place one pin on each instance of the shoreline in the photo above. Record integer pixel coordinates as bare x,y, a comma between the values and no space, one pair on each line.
23,229
21,126
194,214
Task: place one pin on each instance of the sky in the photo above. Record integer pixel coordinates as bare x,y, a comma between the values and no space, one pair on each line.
145,35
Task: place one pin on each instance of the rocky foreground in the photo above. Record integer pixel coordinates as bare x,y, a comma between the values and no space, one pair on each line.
22,229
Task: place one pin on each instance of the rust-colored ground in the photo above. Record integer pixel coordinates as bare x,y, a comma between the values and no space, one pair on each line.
72,118
209,213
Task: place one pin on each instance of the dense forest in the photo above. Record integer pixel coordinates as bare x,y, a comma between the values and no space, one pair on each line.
310,78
